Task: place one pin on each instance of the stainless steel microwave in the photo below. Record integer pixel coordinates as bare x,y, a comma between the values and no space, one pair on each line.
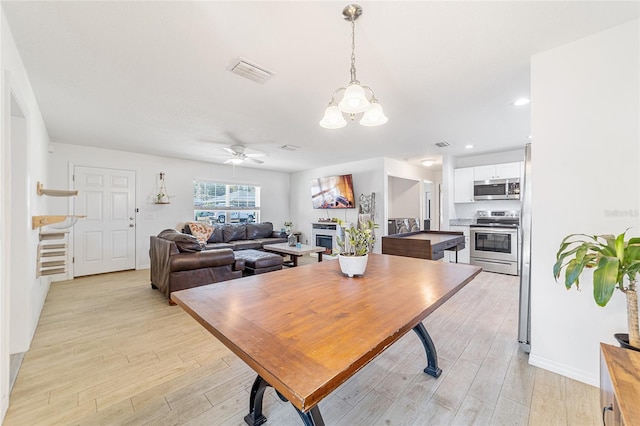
496,189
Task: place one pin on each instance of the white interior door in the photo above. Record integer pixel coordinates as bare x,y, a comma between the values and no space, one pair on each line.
104,241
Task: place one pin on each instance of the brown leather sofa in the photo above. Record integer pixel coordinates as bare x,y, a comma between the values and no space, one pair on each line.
177,263
241,236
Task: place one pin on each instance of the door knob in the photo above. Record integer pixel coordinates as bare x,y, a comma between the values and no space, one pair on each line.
131,225
131,218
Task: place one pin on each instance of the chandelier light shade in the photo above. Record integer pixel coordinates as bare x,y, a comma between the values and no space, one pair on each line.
333,118
374,115
356,99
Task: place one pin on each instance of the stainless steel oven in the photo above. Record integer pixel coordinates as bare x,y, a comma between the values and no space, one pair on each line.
494,243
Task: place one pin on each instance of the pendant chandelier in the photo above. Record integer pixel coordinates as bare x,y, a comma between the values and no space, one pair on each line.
354,98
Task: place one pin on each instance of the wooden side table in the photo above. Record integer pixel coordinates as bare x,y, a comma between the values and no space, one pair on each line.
619,385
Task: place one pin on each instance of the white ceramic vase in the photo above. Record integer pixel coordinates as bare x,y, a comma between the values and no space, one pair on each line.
353,265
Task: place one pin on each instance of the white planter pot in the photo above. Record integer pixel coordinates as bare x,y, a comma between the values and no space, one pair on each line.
353,265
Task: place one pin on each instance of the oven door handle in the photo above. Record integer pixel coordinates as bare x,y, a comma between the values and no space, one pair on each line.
495,231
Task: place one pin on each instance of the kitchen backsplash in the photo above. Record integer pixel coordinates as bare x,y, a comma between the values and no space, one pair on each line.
462,222
468,210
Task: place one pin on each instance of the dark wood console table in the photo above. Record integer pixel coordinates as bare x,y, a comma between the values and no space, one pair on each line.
305,331
423,244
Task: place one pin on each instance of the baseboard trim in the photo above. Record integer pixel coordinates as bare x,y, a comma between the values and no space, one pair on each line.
15,362
565,370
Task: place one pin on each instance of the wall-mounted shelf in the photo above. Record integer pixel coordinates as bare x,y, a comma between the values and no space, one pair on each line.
59,222
54,192
53,235
51,259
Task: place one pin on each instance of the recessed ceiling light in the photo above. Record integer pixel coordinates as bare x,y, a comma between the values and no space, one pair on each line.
289,147
468,146
521,101
428,163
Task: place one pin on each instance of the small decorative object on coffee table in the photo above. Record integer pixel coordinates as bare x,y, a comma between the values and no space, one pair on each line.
288,227
292,239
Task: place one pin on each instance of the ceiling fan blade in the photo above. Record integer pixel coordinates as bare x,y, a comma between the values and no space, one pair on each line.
229,150
253,160
228,161
256,154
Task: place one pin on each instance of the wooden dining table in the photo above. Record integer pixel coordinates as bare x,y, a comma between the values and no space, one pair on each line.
306,330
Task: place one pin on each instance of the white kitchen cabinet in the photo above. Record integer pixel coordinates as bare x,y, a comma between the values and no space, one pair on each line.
463,255
463,185
498,171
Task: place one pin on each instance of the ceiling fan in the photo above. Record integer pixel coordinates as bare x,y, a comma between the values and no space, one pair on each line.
239,154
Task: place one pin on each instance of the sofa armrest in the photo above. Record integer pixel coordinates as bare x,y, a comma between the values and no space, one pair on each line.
238,265
278,234
202,259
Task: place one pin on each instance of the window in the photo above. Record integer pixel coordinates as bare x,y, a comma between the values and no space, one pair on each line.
225,203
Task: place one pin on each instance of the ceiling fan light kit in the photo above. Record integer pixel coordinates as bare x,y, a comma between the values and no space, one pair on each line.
239,155
354,96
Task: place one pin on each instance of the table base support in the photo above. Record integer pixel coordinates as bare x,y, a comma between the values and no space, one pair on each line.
255,416
311,417
432,357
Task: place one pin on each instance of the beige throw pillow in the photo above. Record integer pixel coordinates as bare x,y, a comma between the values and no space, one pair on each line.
201,231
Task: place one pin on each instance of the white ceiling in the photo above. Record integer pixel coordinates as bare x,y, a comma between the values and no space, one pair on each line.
151,77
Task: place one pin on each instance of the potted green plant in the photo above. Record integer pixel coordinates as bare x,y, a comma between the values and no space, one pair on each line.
353,250
615,262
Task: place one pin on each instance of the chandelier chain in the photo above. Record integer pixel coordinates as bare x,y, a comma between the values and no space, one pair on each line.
353,50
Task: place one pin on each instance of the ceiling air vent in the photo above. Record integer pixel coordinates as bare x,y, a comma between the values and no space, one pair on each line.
442,144
253,72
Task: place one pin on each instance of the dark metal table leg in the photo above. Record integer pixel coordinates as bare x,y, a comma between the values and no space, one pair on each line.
311,417
432,357
255,417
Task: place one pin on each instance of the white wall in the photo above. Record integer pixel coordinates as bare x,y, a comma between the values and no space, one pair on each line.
585,177
405,198
179,176
367,178
18,241
404,170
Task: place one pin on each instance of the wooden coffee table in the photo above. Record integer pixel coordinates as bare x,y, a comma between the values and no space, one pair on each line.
305,331
294,251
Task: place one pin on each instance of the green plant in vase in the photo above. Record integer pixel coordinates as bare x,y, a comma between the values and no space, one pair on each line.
354,248
357,241
615,262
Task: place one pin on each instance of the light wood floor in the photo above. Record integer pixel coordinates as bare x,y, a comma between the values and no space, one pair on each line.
109,350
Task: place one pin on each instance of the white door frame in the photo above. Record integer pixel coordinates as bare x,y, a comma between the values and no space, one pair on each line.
71,236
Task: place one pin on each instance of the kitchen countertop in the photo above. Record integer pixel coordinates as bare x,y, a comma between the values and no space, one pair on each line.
423,244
